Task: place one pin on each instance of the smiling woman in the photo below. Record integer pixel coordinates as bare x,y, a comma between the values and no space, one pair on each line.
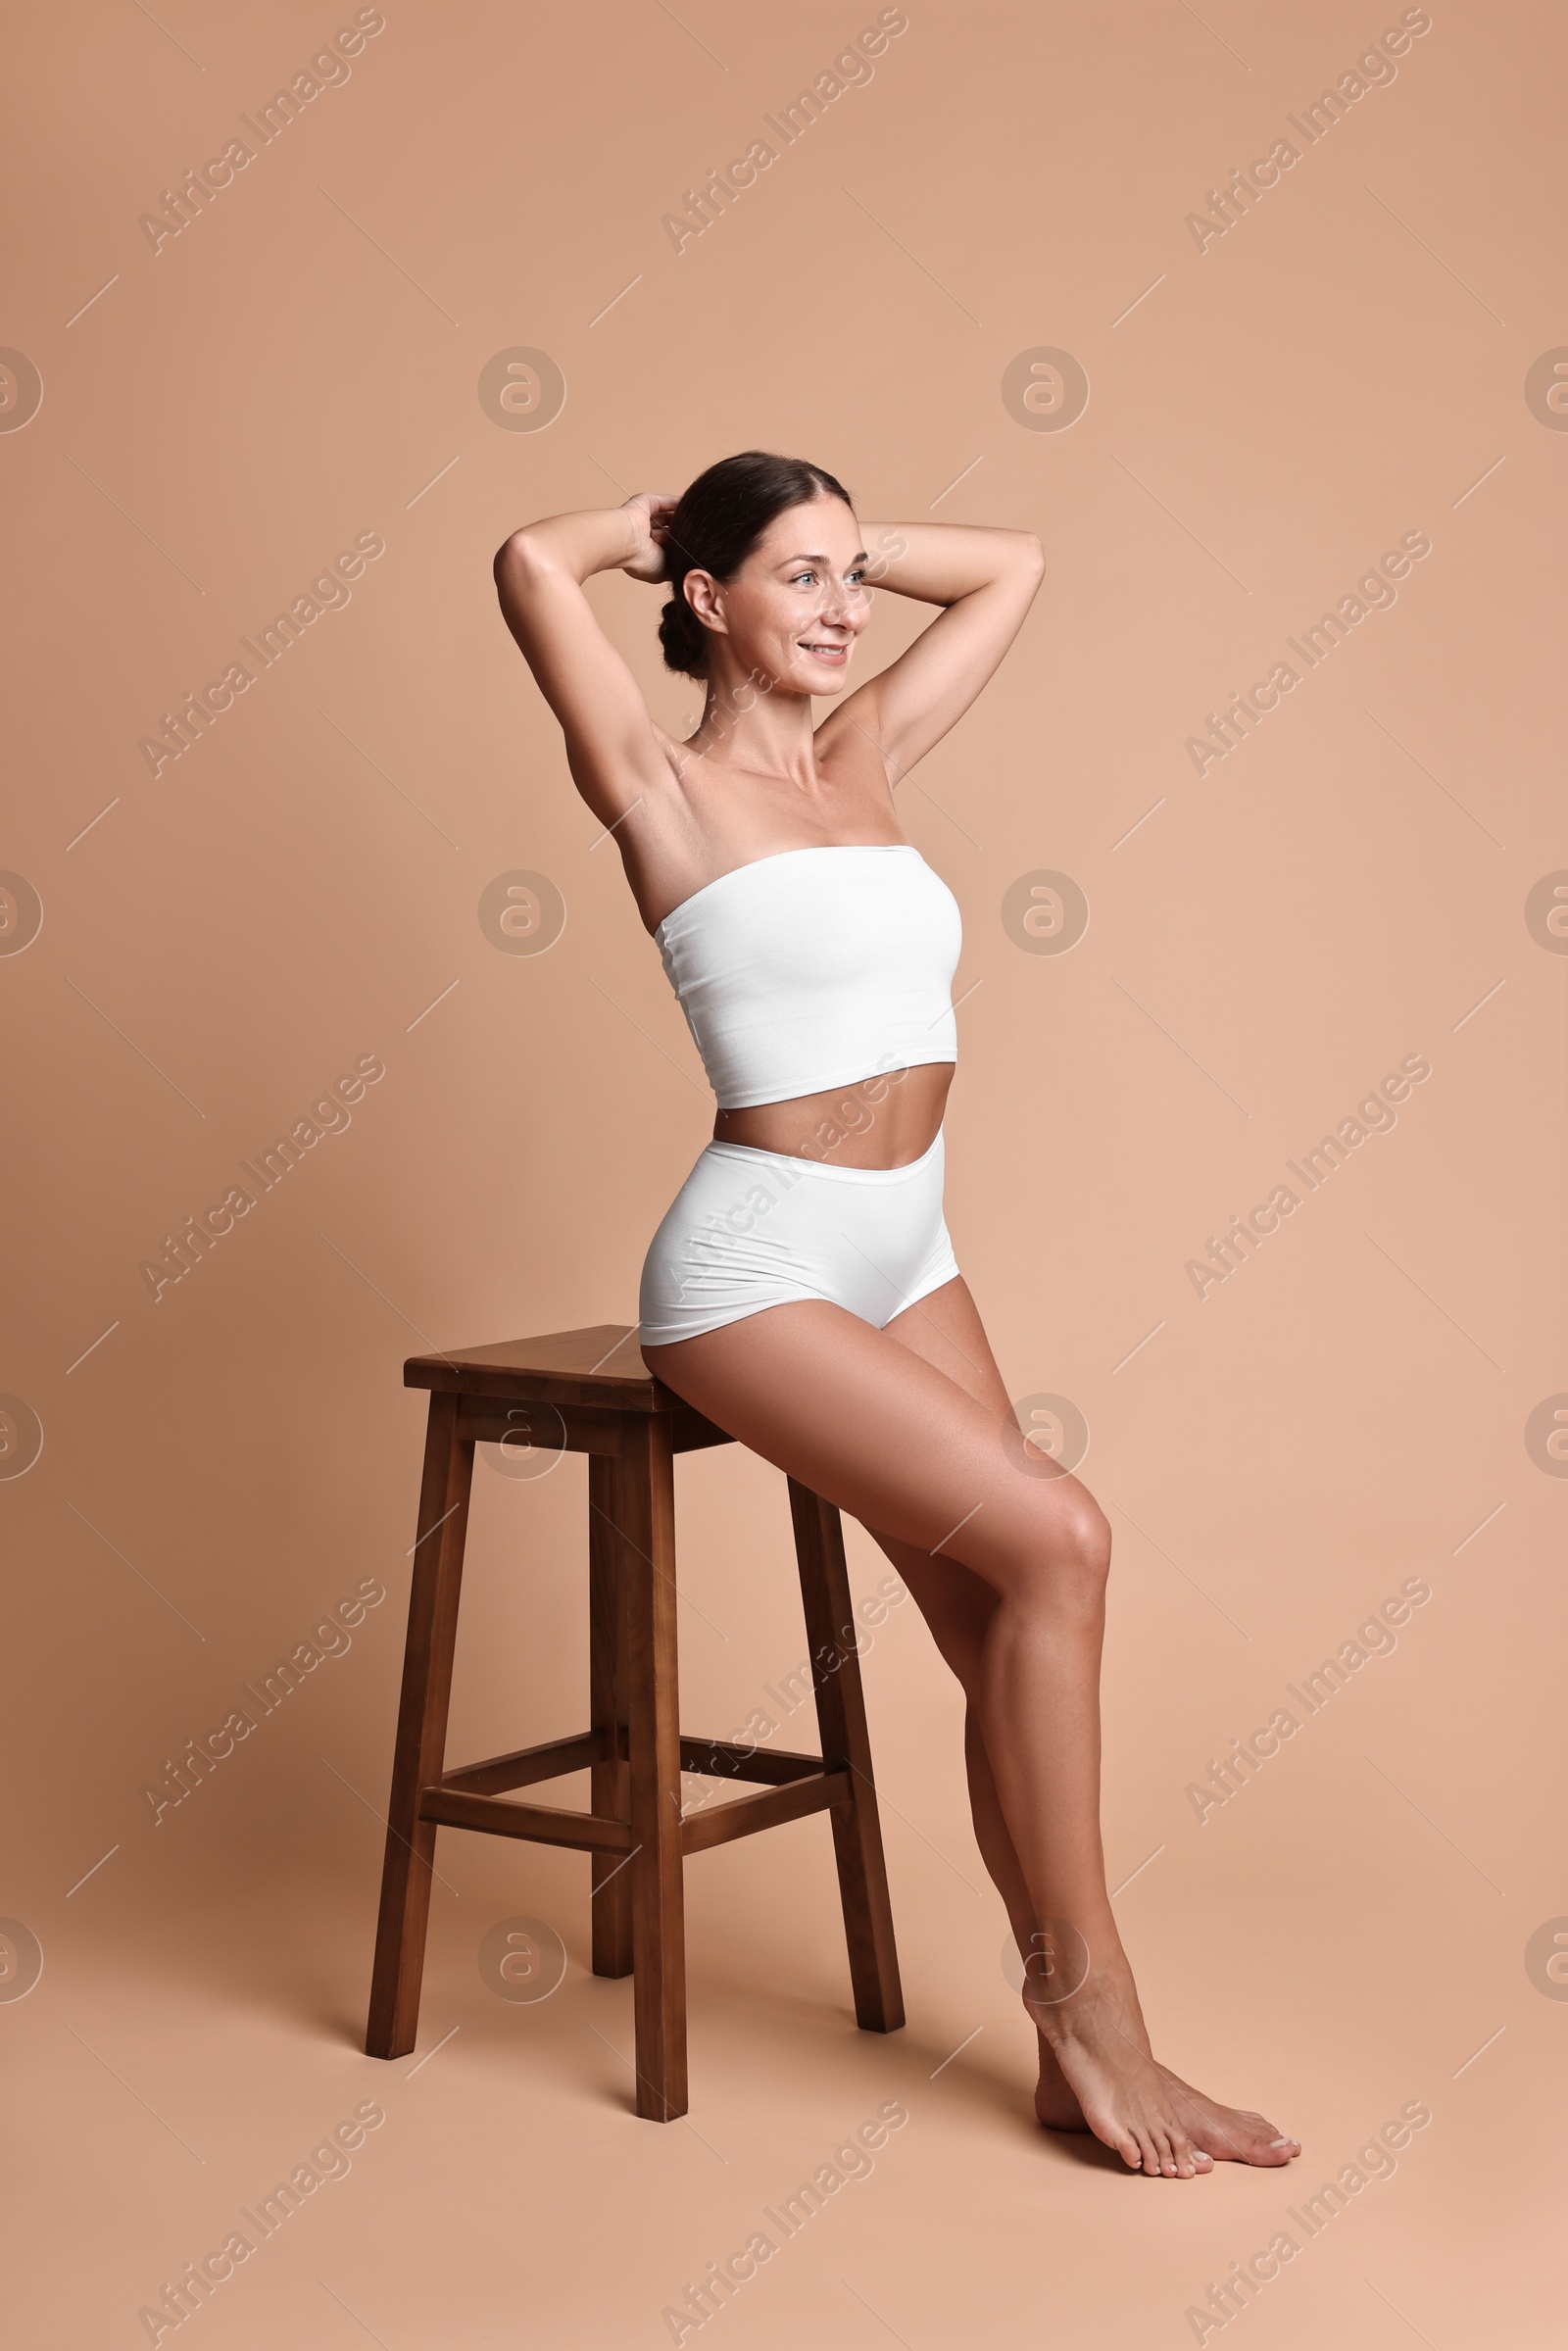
813,1307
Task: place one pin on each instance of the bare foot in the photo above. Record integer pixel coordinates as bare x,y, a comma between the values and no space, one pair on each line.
1221,2133
1228,2133
1054,2103
1102,2054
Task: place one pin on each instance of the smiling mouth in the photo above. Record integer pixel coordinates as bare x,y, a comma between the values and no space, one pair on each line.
824,652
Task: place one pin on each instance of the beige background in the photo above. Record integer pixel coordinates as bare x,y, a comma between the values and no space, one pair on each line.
300,364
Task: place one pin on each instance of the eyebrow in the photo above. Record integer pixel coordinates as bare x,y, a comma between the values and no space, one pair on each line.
859,557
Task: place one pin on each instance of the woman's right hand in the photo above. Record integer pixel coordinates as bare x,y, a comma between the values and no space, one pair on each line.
651,511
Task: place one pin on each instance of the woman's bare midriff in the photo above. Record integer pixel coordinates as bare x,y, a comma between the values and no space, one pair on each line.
885,1121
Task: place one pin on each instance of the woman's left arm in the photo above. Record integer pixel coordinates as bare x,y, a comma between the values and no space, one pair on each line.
986,579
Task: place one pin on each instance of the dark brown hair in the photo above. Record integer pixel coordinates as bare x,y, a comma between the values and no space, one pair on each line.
717,523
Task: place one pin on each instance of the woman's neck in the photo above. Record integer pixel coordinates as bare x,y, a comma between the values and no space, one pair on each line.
753,723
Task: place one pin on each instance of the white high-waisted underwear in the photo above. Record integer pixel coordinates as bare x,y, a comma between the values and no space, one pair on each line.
751,1229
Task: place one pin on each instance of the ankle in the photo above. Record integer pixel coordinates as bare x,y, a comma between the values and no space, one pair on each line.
1104,2006
1062,1955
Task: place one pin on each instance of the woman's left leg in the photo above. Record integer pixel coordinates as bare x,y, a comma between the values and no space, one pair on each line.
945,1329
854,1412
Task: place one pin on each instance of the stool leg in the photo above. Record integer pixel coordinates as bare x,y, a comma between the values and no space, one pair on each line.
847,1747
647,1499
421,1750
610,1788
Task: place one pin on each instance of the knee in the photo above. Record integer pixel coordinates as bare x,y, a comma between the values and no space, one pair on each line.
1077,1552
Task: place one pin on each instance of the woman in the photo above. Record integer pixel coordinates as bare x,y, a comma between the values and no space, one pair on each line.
801,1291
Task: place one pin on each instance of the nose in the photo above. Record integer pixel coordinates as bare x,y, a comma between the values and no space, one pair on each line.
839,605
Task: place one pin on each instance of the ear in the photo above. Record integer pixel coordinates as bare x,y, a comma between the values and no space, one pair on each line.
704,594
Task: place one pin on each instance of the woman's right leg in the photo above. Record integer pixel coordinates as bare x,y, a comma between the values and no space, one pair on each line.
871,1426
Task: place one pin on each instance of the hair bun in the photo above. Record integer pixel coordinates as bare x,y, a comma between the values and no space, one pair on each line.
681,640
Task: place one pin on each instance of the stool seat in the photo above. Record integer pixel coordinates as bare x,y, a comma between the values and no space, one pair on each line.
590,1391
601,1365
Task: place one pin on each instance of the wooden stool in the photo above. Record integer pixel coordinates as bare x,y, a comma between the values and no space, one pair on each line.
591,1391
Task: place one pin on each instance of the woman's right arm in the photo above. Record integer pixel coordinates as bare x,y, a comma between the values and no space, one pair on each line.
611,744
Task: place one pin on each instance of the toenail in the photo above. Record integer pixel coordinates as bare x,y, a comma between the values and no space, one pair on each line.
1281,2142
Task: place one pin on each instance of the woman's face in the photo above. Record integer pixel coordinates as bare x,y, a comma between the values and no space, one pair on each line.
795,605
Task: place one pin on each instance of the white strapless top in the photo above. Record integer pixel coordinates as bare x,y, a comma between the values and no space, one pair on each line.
815,967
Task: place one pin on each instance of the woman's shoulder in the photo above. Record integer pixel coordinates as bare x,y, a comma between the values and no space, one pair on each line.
849,750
